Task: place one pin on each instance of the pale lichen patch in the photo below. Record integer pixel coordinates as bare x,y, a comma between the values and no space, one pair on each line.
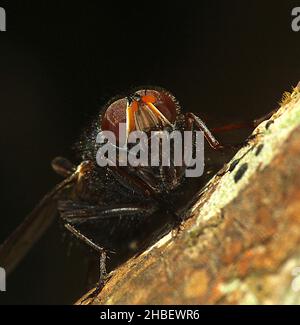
272,138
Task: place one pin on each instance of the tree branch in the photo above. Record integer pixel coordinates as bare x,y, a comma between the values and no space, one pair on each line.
241,242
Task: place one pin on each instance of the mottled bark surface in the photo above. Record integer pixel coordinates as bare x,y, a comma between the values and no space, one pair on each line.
240,243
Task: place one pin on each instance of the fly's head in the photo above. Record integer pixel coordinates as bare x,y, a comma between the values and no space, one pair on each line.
146,110
143,110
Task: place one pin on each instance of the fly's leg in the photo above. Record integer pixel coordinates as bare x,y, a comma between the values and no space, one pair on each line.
243,125
79,213
234,126
192,120
267,116
83,238
134,183
102,260
138,185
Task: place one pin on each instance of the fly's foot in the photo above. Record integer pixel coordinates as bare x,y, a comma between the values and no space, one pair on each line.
92,295
178,226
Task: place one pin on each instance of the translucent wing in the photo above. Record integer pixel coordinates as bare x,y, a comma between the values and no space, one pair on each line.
17,245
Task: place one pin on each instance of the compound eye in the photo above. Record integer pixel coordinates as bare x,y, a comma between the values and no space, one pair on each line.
144,110
114,115
163,101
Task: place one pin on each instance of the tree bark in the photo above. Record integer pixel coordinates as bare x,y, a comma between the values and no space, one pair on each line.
240,242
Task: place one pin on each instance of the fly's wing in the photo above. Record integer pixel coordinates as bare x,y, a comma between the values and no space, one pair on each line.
35,224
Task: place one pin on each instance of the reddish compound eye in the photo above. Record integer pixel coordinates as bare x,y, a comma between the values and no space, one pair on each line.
163,101
114,115
144,110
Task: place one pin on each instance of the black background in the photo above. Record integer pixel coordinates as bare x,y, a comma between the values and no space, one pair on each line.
60,61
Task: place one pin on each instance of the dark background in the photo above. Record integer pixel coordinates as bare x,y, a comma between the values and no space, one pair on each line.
60,61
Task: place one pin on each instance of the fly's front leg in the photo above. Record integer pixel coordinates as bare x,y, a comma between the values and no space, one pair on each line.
192,119
140,186
133,182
